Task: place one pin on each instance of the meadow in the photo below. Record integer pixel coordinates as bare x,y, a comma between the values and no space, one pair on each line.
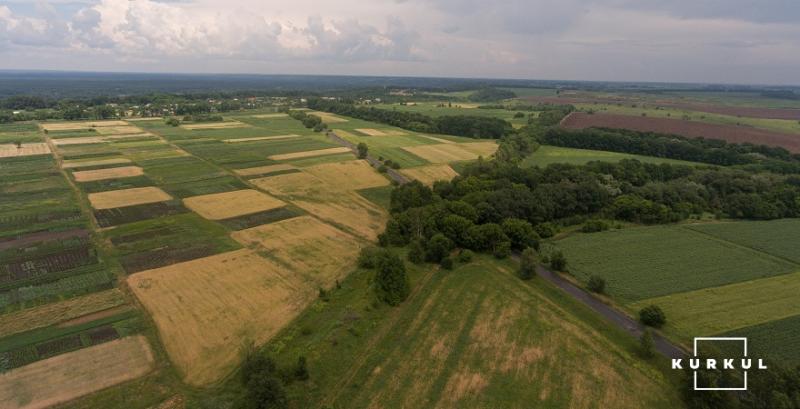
548,155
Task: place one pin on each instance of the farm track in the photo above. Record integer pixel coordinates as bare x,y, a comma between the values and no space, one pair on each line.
615,316
387,326
395,175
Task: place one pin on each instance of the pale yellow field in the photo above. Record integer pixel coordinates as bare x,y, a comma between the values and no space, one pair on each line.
452,152
268,116
434,138
341,208
140,134
225,205
127,197
54,313
317,251
26,149
119,130
208,309
74,126
261,138
78,163
327,117
216,125
308,154
350,175
110,173
371,132
87,140
68,376
431,173
345,134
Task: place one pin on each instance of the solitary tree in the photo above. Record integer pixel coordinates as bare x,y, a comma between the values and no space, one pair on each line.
557,261
391,280
301,370
653,316
527,264
362,150
596,284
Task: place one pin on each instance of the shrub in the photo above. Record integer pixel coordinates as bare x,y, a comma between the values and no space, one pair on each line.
465,256
596,284
391,279
416,252
439,247
647,344
593,226
558,261
502,250
546,230
362,150
527,264
368,258
301,369
447,263
652,316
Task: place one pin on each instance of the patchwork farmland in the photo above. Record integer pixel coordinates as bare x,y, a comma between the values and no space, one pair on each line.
711,279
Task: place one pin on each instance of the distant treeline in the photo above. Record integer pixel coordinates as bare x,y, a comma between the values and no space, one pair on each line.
491,94
711,151
460,125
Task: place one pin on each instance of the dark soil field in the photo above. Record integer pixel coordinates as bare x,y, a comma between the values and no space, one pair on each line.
750,112
690,129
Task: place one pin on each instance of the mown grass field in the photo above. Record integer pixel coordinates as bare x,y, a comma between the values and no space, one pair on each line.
459,108
469,338
779,238
775,339
547,155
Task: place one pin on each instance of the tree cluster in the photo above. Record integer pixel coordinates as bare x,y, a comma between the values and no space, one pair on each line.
491,94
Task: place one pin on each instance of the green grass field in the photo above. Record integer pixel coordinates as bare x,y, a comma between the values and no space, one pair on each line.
647,262
547,155
776,340
779,238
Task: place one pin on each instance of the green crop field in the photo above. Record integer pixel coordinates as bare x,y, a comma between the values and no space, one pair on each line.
436,109
647,262
547,155
776,340
780,238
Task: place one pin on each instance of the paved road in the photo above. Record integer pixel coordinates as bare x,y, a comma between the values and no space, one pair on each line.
395,175
617,317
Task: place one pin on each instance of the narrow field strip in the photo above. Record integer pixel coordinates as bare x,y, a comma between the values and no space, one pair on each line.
261,138
711,311
110,173
261,170
430,174
308,154
127,197
215,125
25,149
83,163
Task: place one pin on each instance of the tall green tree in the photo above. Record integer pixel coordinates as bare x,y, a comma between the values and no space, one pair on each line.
391,279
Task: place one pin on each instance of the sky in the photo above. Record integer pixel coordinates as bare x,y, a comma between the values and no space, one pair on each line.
717,41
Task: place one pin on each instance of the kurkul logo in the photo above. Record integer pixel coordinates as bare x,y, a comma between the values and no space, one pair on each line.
744,364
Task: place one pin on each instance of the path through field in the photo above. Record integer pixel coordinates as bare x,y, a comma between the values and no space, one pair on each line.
395,175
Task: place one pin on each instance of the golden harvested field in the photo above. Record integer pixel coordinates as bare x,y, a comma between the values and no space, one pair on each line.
268,116
312,249
75,126
110,173
68,376
50,314
327,118
119,130
341,208
215,125
261,138
371,132
350,175
431,173
26,149
127,197
207,309
260,170
345,134
225,205
452,152
79,141
308,154
78,163
140,134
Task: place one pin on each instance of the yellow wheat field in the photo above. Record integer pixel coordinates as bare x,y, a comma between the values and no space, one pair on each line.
68,376
452,152
349,175
215,125
54,313
260,170
315,250
119,130
80,163
225,205
86,140
261,138
431,173
371,132
207,309
308,154
26,149
268,116
127,197
109,173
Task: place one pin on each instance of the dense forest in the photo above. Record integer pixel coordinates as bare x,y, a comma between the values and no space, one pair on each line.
460,125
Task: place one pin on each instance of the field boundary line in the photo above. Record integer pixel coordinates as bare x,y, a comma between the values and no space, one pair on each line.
742,246
387,326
